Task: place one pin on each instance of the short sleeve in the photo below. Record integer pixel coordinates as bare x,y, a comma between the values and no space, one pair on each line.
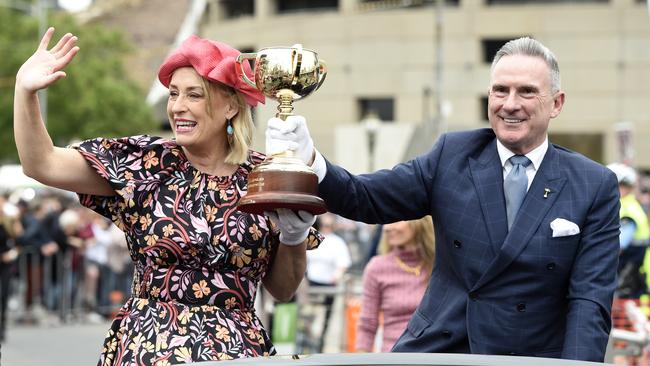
133,166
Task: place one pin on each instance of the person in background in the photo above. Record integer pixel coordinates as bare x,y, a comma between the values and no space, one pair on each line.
120,276
74,233
644,198
635,234
9,228
39,249
96,269
53,280
394,281
198,260
327,265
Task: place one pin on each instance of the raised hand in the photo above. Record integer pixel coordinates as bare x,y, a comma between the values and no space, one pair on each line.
45,66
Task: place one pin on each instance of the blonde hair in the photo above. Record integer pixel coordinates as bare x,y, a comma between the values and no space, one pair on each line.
242,123
69,219
423,237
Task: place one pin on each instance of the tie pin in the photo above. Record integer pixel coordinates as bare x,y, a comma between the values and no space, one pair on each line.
546,192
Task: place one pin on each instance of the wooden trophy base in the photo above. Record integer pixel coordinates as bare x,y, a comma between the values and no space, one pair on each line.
282,183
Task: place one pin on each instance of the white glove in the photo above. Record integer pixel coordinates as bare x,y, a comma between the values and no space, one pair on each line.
291,134
294,228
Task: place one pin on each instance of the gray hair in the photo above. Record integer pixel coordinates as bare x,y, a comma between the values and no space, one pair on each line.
530,47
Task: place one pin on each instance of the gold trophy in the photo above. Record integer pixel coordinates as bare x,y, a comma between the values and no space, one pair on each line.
283,180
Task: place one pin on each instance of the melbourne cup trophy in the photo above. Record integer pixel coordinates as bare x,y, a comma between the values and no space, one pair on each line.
282,180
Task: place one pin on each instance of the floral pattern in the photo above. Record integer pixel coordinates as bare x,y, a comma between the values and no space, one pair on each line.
198,260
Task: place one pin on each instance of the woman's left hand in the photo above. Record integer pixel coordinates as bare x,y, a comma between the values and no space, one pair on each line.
294,226
45,66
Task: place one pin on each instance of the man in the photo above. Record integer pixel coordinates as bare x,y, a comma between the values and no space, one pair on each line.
634,237
526,247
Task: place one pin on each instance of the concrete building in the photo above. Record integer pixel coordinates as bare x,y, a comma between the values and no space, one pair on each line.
422,66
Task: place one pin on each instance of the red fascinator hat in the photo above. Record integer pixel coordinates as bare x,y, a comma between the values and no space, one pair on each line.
214,61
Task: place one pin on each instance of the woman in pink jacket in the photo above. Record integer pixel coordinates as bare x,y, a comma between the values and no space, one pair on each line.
394,281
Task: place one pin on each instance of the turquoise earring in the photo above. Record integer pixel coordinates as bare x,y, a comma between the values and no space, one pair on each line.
229,129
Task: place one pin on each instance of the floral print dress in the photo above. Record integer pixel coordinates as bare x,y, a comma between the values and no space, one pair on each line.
198,260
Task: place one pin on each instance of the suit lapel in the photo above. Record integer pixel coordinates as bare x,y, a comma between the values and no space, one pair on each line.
487,175
531,213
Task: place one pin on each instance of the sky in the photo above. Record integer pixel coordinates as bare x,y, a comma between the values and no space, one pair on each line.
74,5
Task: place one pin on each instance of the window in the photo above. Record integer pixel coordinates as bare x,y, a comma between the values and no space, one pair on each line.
590,145
289,6
382,108
483,113
409,3
523,2
491,46
236,8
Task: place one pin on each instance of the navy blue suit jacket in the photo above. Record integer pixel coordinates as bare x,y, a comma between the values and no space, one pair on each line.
492,291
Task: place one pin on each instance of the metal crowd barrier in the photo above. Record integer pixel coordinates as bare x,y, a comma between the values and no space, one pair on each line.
311,316
46,288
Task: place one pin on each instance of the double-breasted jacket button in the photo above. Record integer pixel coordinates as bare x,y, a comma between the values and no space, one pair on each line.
446,333
521,307
473,295
550,266
457,243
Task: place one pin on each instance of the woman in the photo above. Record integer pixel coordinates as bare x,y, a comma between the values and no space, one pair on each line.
197,259
394,281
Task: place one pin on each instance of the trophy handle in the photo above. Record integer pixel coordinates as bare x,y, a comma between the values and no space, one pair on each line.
240,69
321,75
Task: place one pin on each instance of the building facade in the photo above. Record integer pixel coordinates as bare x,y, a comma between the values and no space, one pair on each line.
422,66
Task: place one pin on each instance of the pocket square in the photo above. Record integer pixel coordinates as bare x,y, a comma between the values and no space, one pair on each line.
563,227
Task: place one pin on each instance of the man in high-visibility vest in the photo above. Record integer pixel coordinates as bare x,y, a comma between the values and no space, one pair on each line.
634,237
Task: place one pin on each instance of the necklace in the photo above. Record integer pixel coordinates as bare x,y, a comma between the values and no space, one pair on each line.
414,270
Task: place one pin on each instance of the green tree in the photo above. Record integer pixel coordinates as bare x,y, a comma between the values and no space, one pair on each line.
95,99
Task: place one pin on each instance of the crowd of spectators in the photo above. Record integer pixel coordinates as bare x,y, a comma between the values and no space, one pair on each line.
59,261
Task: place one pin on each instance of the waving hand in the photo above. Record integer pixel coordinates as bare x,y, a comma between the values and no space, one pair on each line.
54,166
45,66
